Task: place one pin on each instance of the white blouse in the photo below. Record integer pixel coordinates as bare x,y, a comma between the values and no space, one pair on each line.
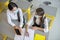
31,22
13,16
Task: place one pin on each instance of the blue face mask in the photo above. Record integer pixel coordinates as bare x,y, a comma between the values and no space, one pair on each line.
16,11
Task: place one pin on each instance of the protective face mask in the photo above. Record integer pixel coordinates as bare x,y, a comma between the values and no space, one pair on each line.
16,11
36,16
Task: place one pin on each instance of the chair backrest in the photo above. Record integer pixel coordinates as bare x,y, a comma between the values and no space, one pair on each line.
50,20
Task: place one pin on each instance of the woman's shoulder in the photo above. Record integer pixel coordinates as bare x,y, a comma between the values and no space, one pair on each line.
45,18
8,12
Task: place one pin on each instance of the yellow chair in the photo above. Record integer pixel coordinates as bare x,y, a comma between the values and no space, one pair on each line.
6,3
29,14
3,5
51,20
28,11
39,37
5,37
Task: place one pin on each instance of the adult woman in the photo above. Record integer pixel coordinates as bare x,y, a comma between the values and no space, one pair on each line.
15,19
39,21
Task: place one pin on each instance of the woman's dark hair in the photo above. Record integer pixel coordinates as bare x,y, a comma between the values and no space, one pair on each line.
40,11
11,5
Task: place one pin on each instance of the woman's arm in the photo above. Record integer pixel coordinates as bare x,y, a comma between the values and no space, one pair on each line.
27,26
41,29
45,29
46,25
37,28
9,19
21,17
11,23
29,23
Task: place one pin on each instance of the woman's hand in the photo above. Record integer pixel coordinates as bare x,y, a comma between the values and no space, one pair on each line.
26,34
35,28
26,31
19,28
16,27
